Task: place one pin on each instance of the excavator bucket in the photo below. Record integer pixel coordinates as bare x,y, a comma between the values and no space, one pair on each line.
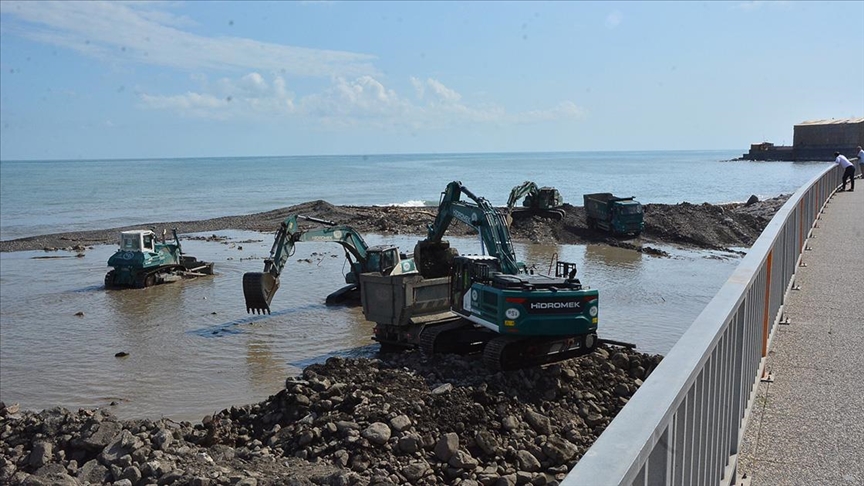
434,258
258,289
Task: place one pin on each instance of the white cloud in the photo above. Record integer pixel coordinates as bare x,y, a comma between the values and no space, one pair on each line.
346,102
250,96
143,32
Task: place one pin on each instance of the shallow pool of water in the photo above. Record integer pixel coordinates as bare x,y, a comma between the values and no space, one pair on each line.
193,350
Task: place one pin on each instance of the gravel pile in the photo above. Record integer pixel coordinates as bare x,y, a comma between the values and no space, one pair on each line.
402,419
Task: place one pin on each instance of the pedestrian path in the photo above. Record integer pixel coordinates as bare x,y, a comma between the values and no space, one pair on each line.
807,426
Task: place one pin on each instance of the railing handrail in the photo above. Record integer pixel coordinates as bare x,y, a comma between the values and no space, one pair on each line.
657,415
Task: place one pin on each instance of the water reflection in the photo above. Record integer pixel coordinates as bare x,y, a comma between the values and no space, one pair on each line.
264,367
614,257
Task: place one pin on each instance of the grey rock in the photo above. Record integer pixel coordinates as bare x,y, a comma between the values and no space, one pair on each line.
462,460
104,435
559,449
122,482
162,439
344,427
442,389
416,470
410,443
487,442
132,473
124,443
510,423
92,472
377,433
539,422
594,419
447,445
400,423
41,453
527,461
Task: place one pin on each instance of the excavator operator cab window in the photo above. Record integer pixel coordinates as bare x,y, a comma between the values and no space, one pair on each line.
383,261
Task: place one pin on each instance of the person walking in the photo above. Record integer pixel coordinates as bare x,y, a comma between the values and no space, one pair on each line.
861,161
848,170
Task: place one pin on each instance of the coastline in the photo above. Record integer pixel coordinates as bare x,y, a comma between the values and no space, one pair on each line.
703,226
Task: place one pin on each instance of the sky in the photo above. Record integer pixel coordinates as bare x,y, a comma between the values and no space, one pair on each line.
119,80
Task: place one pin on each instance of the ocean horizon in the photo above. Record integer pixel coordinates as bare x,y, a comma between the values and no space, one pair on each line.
52,196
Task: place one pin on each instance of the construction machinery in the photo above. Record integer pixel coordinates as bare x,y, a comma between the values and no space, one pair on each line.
617,215
143,261
540,201
259,287
485,303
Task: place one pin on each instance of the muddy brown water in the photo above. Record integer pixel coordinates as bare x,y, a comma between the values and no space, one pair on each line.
193,350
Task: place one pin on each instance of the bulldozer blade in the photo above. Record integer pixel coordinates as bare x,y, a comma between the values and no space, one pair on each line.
258,289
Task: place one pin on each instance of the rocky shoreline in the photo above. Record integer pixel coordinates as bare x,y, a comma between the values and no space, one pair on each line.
400,419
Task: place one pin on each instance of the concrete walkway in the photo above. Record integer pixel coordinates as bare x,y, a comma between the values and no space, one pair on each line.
807,427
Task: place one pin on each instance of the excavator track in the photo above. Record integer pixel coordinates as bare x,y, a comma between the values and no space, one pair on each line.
452,338
510,353
258,290
521,213
145,279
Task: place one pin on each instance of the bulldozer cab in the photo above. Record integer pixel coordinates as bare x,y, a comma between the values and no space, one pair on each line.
139,240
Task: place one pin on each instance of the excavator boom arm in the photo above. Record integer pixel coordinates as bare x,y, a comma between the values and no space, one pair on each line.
519,191
259,287
479,214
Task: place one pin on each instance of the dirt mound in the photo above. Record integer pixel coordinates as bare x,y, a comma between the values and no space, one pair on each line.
699,226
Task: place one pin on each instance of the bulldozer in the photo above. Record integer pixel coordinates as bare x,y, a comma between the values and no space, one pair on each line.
143,261
489,303
259,287
539,201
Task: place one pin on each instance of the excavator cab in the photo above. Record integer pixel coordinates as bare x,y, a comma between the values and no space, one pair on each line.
382,259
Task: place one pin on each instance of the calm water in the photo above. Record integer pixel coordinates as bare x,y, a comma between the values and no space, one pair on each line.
52,197
192,348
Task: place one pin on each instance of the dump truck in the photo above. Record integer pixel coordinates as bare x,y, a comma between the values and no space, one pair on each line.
488,303
143,261
617,215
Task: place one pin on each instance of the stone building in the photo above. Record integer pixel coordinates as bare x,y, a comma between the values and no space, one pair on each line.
815,140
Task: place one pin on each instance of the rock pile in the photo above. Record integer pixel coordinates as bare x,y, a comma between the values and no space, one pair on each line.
401,419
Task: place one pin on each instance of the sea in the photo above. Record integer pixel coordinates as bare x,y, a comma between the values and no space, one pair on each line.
189,349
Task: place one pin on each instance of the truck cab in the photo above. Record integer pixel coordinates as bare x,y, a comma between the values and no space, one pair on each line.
618,215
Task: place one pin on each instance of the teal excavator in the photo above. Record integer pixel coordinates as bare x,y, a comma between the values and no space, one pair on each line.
515,317
259,287
540,201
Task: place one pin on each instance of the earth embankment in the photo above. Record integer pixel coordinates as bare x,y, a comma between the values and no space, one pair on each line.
706,226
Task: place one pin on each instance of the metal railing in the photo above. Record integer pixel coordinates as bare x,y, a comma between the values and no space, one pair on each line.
685,424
